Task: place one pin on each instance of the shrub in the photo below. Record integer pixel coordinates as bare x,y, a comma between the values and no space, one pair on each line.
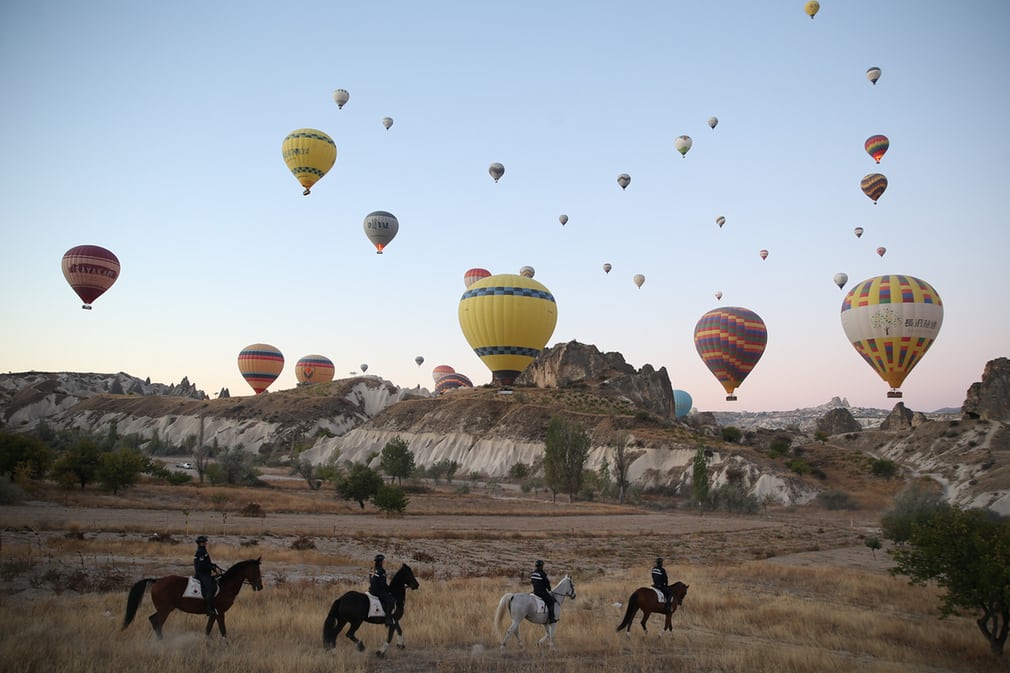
779,446
390,499
519,471
733,499
178,478
836,500
911,508
883,468
731,434
252,510
799,466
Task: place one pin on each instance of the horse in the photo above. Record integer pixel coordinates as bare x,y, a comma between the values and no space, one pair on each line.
645,598
167,594
532,608
353,606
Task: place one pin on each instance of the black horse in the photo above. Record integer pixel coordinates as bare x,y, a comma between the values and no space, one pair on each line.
352,608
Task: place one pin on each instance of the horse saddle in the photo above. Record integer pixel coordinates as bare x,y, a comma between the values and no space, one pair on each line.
660,596
375,606
195,590
540,603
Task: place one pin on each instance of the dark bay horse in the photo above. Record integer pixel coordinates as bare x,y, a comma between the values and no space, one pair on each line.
352,608
167,595
645,599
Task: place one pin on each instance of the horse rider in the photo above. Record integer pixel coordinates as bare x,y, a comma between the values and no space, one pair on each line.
542,589
204,570
379,587
660,581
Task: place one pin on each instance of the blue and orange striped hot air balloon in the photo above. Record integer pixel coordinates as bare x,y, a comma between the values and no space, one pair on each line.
314,369
730,341
260,365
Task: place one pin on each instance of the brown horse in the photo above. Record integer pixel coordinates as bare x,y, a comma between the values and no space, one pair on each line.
167,595
645,599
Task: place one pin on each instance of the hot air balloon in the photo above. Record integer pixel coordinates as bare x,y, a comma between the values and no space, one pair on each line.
380,228
496,170
387,122
713,122
873,185
624,180
718,295
474,275
90,270
730,341
527,272
682,403
364,367
720,221
638,279
881,250
764,254
340,97
563,219
451,382
314,369
682,144
858,231
873,74
441,370
309,154
260,365
419,360
892,321
876,146
841,279
607,267
507,320
811,8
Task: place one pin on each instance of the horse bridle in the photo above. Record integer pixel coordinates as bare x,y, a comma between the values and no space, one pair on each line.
569,594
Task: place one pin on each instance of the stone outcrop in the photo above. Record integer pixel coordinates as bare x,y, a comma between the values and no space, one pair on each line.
989,399
902,419
837,421
574,364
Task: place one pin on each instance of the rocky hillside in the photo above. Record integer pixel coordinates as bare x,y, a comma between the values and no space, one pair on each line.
487,430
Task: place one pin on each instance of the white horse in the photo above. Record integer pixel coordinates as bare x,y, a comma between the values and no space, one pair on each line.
533,608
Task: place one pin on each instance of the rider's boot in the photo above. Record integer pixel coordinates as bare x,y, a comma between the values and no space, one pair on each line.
211,611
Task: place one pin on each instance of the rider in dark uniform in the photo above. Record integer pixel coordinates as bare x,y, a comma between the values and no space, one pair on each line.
378,587
660,581
542,588
204,570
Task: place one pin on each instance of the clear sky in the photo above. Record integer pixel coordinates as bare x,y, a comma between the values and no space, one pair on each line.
154,130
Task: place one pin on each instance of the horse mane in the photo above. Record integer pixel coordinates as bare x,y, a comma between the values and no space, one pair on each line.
237,568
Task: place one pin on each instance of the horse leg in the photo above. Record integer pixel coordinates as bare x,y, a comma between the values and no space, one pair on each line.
645,618
399,636
156,622
513,630
548,636
360,646
669,624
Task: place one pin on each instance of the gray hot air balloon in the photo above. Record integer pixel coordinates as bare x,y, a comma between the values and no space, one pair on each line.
639,279
340,97
682,144
364,367
387,122
527,272
419,360
496,170
624,180
607,267
381,228
720,221
563,219
713,122
873,74
841,279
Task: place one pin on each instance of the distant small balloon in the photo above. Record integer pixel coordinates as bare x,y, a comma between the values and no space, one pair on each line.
764,254
841,279
682,144
624,180
713,122
496,170
527,272
419,360
720,221
639,279
811,8
858,231
387,122
364,367
563,219
876,146
473,275
607,267
881,250
873,74
718,294
340,97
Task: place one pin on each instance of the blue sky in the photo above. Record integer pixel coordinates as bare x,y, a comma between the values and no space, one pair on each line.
155,131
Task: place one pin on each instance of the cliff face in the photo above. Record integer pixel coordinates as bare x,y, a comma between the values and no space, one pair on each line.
989,399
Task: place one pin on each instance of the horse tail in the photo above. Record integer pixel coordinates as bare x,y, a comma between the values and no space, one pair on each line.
133,600
330,626
504,604
630,612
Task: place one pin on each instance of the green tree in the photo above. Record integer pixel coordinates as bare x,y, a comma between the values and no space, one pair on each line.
360,484
237,466
78,464
622,461
120,469
912,507
24,450
966,553
390,499
699,478
396,459
565,453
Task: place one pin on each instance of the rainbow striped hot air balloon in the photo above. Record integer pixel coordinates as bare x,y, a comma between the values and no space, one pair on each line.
309,154
441,370
260,365
507,319
876,146
892,321
730,341
90,270
451,382
314,369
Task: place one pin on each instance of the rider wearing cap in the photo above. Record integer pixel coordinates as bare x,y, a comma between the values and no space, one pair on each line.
542,588
660,581
204,570
378,587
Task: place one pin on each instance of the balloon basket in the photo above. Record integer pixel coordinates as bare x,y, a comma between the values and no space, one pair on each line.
731,398
893,393
86,307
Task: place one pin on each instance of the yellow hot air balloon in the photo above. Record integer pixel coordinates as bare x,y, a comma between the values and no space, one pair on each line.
260,364
811,8
314,369
507,319
892,321
309,154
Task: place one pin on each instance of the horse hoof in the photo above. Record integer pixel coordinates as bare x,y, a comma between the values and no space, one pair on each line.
361,647
380,655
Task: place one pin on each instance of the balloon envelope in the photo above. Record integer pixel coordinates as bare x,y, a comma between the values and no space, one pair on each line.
624,180
90,270
563,219
713,122
873,185
496,170
892,321
718,295
858,231
340,97
473,275
507,319
638,279
811,8
364,367
527,272
682,144
720,221
681,403
873,74
441,370
607,267
764,254
387,122
260,365
314,369
730,341
881,250
419,360
380,228
309,154
876,146
841,279
451,382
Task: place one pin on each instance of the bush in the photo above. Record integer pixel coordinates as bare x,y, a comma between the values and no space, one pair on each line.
733,499
883,468
731,434
799,466
519,471
390,499
253,510
779,446
178,478
911,508
836,500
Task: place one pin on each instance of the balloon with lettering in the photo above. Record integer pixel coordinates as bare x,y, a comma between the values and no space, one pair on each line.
309,154
811,8
507,319
387,122
841,279
624,180
496,170
90,270
260,365
340,97
682,403
873,185
441,370
730,341
876,146
892,321
639,279
873,74
683,144
380,228
473,275
314,369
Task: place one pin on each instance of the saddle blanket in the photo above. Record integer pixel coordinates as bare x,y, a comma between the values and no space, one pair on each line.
659,595
375,606
194,590
541,605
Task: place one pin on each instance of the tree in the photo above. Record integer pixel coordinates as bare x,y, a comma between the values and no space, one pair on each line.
699,478
360,484
912,507
78,464
17,450
396,459
967,553
390,499
236,466
622,462
565,453
120,469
